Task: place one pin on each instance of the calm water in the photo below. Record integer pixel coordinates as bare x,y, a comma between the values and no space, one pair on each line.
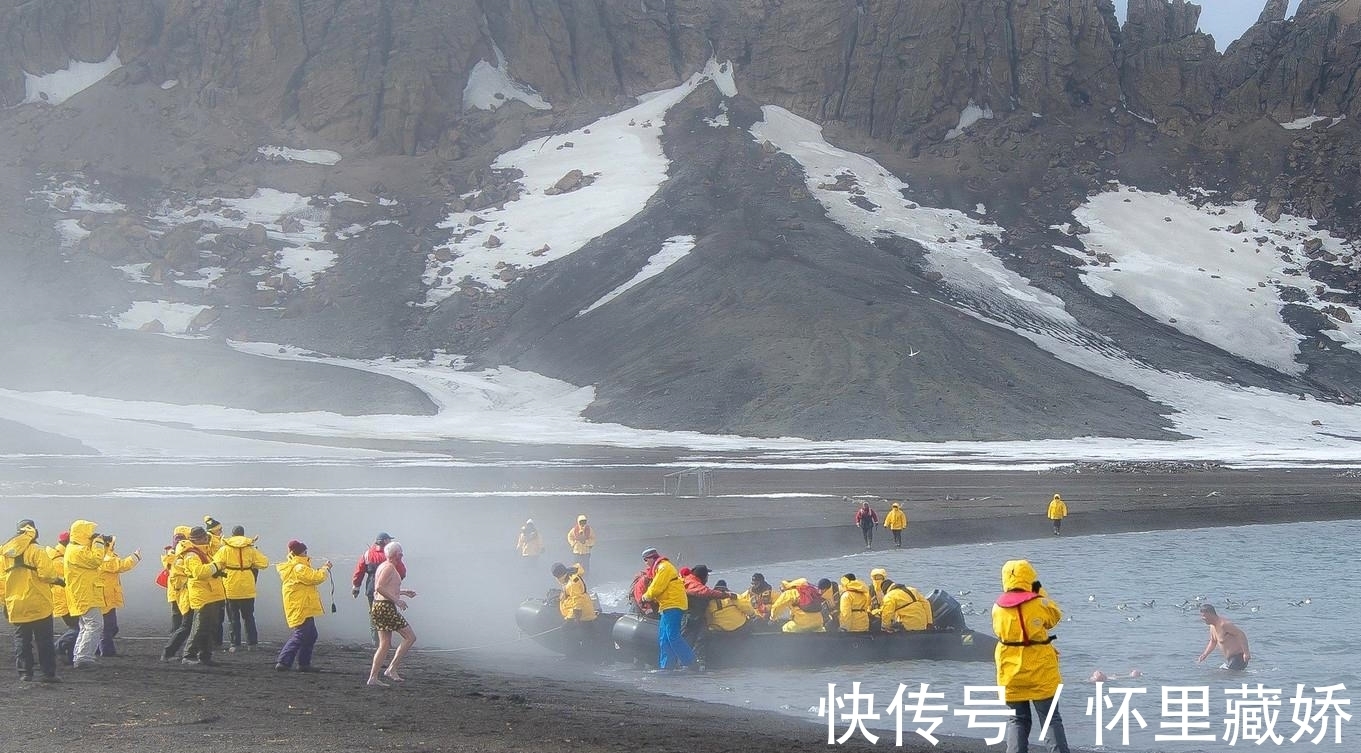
1120,594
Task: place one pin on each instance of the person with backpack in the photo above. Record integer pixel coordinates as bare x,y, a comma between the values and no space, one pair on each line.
529,543
27,574
243,563
867,519
759,596
904,608
1027,663
802,602
366,568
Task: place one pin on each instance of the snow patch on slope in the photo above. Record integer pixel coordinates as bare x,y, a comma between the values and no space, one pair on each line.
58,86
622,165
310,156
1186,266
673,250
490,86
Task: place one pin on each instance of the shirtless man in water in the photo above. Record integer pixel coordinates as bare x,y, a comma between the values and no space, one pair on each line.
1228,636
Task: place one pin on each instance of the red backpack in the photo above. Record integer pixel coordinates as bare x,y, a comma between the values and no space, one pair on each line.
810,598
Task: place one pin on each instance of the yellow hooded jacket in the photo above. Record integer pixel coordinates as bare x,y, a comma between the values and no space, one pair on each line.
575,603
787,604
879,583
855,606
896,519
83,561
302,598
666,588
201,584
1027,662
57,553
728,614
581,537
905,607
243,563
27,576
114,567
1058,509
530,543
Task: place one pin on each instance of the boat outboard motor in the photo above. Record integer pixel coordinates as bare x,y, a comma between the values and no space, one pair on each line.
945,611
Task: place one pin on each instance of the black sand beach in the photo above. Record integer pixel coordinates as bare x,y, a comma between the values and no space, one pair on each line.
453,702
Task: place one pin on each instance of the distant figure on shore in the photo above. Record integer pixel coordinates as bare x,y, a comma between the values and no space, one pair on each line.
1228,637
581,539
1058,510
896,522
867,519
1027,663
529,543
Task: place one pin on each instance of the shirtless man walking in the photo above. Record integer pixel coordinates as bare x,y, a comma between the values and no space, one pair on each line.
1228,636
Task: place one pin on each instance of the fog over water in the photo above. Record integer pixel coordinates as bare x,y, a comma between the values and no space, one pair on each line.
1120,594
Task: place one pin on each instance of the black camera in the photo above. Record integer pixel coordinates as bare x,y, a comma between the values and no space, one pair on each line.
221,573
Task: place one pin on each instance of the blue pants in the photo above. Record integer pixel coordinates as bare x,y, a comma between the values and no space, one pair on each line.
299,645
673,650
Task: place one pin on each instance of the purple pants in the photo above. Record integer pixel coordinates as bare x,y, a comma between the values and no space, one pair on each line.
300,644
106,647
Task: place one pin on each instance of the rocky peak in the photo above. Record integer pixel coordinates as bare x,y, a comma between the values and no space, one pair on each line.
1151,23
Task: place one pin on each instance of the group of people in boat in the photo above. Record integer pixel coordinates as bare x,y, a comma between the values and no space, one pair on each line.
796,605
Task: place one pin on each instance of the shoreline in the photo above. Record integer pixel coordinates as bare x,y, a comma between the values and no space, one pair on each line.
517,698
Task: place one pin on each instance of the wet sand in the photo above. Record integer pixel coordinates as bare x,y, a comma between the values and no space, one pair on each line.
454,703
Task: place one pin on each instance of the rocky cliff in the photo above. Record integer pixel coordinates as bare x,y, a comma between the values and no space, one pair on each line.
392,72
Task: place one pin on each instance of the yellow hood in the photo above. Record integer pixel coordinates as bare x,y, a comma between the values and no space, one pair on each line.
1056,498
878,572
857,586
238,542
1018,575
16,546
82,531
896,505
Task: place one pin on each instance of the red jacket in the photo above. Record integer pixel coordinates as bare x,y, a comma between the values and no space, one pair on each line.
694,588
368,565
866,514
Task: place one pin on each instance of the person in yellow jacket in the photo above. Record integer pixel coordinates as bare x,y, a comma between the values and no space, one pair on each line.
214,530
112,574
729,614
207,593
243,562
174,582
85,589
896,521
529,543
575,603
667,591
1027,663
879,584
27,574
302,605
787,604
855,605
904,608
66,642
1058,510
581,538
177,588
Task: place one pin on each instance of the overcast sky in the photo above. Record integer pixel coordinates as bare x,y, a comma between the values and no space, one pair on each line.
1226,20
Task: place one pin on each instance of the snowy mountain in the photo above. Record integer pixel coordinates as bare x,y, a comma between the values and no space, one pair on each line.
676,223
